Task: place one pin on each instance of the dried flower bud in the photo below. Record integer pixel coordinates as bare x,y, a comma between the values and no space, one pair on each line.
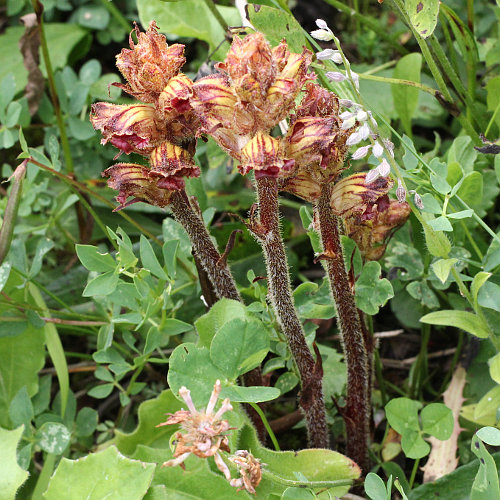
134,128
150,64
264,155
250,470
353,195
317,102
203,432
302,185
347,103
136,181
372,230
418,201
400,192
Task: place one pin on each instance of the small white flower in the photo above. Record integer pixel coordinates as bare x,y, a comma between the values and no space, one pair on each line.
400,192
346,115
418,201
353,139
378,150
384,168
361,153
325,54
347,103
323,35
361,115
350,122
355,79
320,23
372,175
364,131
370,114
335,76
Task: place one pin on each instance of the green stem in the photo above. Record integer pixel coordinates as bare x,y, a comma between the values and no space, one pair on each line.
398,81
38,8
414,472
256,407
218,16
492,120
120,18
449,42
44,477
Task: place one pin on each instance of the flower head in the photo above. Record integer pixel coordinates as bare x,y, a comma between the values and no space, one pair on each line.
149,64
203,433
250,469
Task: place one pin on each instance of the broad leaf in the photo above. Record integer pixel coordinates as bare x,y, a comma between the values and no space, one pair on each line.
11,475
423,15
464,320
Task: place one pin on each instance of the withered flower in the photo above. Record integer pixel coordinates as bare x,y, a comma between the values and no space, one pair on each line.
203,432
250,470
372,230
136,181
133,128
149,64
353,195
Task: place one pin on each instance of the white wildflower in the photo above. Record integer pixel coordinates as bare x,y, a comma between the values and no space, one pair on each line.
384,168
323,35
353,139
372,175
335,76
361,152
364,131
378,150
418,201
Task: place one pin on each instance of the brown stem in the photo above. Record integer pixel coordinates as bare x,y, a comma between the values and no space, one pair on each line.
207,253
357,410
267,231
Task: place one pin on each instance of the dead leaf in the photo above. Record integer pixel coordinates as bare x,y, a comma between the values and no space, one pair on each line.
29,45
443,457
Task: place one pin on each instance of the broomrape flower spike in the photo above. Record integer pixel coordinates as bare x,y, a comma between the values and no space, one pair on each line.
203,433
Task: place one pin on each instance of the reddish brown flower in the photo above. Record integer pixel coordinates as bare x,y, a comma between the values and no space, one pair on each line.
170,164
132,128
149,64
174,98
136,181
372,230
263,154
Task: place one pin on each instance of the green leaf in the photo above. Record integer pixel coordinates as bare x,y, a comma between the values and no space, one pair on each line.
101,391
414,445
471,190
406,97
375,487
464,320
294,493
441,223
277,24
92,16
488,405
486,485
105,474
53,437
21,409
402,414
313,301
453,486
494,364
421,291
21,358
252,394
489,296
150,414
104,284
149,259
437,420
239,346
437,242
286,382
93,260
442,268
86,422
489,435
222,311
190,18
372,292
11,475
423,15
478,281
169,249
191,366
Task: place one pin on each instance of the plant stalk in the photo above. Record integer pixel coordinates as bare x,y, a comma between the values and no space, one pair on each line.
267,231
205,250
357,410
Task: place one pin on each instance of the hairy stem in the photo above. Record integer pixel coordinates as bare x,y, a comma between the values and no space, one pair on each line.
217,270
357,410
267,231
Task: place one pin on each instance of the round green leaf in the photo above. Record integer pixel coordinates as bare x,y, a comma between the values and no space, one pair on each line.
239,346
53,437
437,420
